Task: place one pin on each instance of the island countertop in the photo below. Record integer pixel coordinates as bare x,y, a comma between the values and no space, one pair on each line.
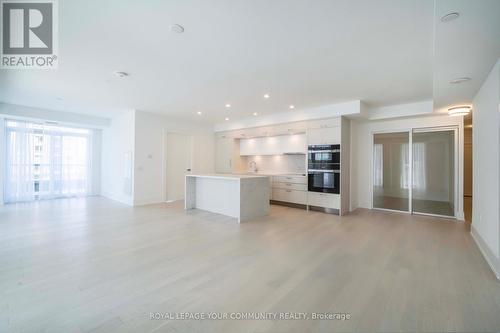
244,197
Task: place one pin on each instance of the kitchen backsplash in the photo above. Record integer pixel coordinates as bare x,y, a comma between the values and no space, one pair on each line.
278,163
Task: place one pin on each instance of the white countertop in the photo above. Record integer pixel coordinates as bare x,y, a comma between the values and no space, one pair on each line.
226,176
266,173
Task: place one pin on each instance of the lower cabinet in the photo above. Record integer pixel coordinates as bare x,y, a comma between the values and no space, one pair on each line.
292,196
325,200
291,189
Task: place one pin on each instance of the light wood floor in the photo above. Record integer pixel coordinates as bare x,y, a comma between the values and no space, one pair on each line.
93,265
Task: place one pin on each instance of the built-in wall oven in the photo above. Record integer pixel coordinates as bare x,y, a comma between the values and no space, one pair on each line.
324,168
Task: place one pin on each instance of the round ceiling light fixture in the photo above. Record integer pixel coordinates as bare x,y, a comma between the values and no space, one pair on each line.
199,113
459,110
255,114
450,17
226,119
121,74
228,105
291,107
177,28
459,80
266,96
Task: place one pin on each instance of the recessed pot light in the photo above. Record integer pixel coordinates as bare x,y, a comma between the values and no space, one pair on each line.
460,80
121,74
226,119
177,28
291,107
459,110
228,105
450,17
255,114
266,96
199,112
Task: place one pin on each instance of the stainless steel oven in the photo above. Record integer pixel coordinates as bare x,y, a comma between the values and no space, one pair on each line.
324,181
324,168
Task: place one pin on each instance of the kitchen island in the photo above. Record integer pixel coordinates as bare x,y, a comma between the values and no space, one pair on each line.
243,197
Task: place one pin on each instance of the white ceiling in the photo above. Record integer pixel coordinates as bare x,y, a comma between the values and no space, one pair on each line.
466,47
301,52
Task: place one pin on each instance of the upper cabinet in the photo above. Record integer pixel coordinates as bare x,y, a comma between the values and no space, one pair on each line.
274,145
276,139
323,136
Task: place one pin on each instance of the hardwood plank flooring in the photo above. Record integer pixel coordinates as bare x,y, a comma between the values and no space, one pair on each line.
93,265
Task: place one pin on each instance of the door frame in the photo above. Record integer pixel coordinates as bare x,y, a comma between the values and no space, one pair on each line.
165,157
456,158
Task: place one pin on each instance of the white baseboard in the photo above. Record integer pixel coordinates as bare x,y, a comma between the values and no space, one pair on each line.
491,259
120,200
147,202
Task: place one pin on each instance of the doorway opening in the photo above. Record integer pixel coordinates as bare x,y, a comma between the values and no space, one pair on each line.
415,171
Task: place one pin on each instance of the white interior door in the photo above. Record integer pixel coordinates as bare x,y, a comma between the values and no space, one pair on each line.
178,164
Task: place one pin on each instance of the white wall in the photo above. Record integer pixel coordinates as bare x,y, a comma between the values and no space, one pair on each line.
117,140
150,134
2,157
486,168
400,110
361,150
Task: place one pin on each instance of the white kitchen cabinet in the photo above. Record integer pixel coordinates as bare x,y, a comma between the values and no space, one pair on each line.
295,143
274,145
291,196
291,186
325,200
323,136
290,179
249,146
290,189
260,146
227,155
223,155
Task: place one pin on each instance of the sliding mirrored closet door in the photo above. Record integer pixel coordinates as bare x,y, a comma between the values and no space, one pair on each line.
433,172
391,171
430,168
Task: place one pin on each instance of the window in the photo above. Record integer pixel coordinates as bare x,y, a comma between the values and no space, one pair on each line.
46,161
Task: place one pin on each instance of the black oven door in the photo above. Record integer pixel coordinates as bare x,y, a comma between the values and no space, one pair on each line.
325,154
325,182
